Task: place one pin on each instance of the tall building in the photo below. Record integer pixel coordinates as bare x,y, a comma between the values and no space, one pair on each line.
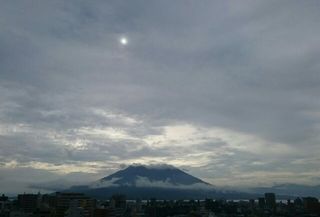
67,200
28,202
270,200
74,210
311,204
49,199
262,203
118,201
118,204
5,206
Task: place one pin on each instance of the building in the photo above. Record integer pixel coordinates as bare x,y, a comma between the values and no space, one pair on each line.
262,203
270,199
4,202
75,210
42,213
28,203
311,204
70,200
49,199
5,206
103,212
118,201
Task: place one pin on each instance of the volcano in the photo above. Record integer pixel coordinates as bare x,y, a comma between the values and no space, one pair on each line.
160,176
153,181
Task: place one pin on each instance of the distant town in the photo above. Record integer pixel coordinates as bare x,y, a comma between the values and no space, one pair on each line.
69,204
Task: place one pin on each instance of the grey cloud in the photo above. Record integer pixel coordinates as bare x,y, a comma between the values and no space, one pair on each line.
249,67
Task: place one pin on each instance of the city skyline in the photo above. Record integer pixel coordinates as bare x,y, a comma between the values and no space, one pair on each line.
226,90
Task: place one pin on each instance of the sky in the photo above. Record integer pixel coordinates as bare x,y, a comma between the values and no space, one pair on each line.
226,90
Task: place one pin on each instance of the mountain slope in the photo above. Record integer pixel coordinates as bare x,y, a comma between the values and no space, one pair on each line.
151,176
156,181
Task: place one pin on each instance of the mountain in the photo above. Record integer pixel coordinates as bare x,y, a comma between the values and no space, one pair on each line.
155,181
168,182
162,176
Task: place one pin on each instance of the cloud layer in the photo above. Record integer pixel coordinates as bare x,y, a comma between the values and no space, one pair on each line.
225,89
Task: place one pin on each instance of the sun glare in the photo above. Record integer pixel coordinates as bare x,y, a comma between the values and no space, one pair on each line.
124,41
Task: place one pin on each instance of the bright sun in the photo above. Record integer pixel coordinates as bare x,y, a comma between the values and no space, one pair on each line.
124,41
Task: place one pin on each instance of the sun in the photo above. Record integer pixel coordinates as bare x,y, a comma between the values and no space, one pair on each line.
123,40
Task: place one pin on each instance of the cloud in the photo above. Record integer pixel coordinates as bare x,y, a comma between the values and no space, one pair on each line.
220,88
105,183
145,182
55,185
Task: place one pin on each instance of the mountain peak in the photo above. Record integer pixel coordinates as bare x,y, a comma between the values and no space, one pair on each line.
152,166
154,175
156,180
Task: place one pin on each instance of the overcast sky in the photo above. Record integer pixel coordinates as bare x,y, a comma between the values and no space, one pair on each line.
227,90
